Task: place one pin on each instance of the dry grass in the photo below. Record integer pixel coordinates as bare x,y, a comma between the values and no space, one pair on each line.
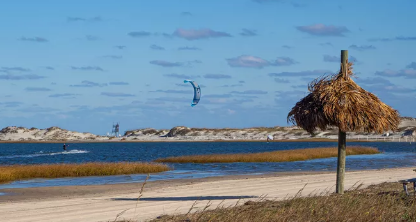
252,129
149,131
275,156
21,172
337,100
383,202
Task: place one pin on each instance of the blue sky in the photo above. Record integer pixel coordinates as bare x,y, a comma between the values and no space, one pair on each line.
82,65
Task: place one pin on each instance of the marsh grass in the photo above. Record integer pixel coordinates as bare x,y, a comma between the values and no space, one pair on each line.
21,172
275,156
383,202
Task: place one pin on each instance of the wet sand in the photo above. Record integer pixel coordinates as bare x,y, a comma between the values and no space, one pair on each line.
43,193
105,202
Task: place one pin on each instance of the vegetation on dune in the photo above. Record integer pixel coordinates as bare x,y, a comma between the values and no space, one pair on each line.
383,202
21,172
274,156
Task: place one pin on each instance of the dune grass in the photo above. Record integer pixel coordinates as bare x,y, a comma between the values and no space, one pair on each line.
383,202
20,172
275,156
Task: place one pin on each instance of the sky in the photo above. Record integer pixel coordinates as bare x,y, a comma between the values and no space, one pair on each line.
84,65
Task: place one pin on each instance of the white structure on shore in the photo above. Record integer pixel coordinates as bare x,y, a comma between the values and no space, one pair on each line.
115,130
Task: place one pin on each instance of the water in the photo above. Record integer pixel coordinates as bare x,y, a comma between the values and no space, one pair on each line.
42,153
394,155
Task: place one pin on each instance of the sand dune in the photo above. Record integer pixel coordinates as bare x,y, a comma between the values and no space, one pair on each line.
182,133
13,133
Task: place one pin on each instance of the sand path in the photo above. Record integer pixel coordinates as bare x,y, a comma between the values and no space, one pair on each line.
179,199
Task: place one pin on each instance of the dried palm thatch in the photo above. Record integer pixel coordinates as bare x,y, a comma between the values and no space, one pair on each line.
336,100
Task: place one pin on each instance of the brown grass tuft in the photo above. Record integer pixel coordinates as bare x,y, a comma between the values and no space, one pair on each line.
275,156
21,172
383,202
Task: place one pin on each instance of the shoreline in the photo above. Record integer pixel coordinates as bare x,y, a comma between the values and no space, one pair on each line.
53,192
73,191
123,201
13,134
189,141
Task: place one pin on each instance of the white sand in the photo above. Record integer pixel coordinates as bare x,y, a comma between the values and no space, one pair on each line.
104,208
182,133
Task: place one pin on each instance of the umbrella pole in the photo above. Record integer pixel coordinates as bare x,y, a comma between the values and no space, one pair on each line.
341,162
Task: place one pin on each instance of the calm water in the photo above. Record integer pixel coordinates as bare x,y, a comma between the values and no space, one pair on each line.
394,154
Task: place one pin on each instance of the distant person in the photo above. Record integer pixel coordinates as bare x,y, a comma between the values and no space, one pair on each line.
65,147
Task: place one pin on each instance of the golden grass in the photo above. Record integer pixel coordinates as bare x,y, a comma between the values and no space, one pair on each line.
21,172
383,202
275,156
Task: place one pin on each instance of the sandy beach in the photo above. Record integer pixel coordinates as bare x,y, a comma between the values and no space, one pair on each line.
105,202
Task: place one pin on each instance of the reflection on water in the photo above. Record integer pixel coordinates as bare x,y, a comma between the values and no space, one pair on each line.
393,155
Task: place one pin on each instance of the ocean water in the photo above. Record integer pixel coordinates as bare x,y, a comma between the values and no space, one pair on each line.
394,154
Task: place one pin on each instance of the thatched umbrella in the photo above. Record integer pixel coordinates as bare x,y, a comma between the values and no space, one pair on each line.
336,100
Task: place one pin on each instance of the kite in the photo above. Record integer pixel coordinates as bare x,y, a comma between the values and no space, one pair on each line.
197,92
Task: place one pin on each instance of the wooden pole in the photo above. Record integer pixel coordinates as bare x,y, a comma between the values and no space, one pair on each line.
341,161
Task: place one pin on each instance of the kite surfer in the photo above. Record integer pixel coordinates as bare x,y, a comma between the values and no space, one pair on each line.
65,146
